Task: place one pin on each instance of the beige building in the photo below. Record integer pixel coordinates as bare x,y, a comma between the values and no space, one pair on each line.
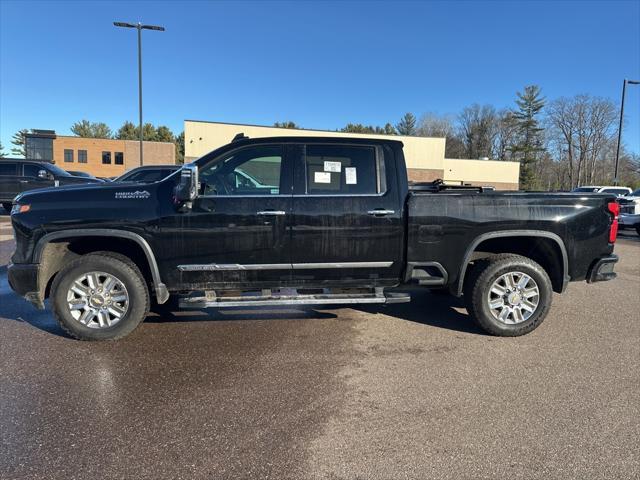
424,155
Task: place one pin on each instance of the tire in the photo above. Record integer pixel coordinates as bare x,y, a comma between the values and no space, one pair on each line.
638,228
491,275
122,317
7,206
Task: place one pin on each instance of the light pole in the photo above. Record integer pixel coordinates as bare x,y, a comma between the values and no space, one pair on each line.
624,89
139,27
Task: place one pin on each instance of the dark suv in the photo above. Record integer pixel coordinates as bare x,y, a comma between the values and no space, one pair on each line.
17,176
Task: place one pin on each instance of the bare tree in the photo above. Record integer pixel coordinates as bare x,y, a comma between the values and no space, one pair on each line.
478,130
434,125
581,132
506,135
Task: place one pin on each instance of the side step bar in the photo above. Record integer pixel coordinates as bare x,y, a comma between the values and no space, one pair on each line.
266,298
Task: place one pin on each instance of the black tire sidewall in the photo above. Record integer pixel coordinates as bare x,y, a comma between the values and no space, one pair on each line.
127,274
493,271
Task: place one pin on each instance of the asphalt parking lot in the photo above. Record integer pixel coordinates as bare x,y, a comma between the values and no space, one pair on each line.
409,391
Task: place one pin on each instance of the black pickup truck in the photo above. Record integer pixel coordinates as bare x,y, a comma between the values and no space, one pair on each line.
302,220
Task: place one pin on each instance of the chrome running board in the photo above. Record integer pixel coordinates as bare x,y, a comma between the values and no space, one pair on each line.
288,297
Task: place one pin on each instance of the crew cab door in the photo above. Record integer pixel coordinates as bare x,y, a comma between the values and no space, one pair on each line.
236,232
35,176
347,218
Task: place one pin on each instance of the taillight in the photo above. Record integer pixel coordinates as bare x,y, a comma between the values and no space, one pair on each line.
614,209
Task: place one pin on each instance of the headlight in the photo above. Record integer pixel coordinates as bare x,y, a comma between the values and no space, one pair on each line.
17,208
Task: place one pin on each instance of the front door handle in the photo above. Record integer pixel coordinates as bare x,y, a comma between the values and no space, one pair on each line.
272,212
381,212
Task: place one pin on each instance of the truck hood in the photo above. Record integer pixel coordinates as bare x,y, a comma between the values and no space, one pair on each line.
87,192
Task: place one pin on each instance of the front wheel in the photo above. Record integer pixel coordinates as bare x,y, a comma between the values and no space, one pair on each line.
508,295
100,296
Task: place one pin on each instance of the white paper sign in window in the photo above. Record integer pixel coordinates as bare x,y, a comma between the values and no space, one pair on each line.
351,177
332,166
322,177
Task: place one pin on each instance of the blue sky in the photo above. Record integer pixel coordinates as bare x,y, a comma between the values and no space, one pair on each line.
321,64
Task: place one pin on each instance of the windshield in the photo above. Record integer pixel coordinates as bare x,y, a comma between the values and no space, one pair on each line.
585,189
636,193
147,175
57,171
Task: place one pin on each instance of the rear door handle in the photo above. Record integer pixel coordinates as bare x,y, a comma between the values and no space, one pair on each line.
381,212
24,181
272,212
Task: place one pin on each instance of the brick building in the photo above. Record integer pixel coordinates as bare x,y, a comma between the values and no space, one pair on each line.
102,157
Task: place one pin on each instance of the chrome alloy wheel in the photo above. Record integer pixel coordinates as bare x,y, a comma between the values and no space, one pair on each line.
97,300
513,298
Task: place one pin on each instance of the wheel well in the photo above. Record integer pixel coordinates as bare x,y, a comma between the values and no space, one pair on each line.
57,253
542,250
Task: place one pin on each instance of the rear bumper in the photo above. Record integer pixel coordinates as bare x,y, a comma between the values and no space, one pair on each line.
602,269
23,279
629,220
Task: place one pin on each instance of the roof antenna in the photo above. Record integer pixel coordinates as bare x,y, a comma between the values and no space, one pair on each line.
238,137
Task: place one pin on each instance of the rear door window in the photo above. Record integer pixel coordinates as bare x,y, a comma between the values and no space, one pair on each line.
343,170
7,169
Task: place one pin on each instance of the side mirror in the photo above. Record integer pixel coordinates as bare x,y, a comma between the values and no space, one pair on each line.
43,174
187,188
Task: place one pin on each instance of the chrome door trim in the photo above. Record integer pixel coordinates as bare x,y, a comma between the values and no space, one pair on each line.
309,266
214,267
233,266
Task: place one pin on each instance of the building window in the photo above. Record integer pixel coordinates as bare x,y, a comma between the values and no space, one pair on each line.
68,155
82,156
39,148
119,158
106,158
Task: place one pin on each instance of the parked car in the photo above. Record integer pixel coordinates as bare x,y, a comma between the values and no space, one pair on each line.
630,210
327,221
619,191
17,176
151,173
78,173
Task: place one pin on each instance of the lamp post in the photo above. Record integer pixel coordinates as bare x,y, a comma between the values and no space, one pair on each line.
139,27
624,89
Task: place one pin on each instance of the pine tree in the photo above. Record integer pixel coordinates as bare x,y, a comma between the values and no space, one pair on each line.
529,144
2,154
87,129
128,131
164,134
407,125
18,141
179,141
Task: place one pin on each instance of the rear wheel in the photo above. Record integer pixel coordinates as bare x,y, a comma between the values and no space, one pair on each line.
100,296
508,295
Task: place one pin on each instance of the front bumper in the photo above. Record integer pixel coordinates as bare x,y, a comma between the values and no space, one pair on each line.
629,220
602,269
23,279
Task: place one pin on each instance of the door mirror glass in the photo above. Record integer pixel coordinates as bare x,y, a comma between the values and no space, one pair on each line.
43,174
187,187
